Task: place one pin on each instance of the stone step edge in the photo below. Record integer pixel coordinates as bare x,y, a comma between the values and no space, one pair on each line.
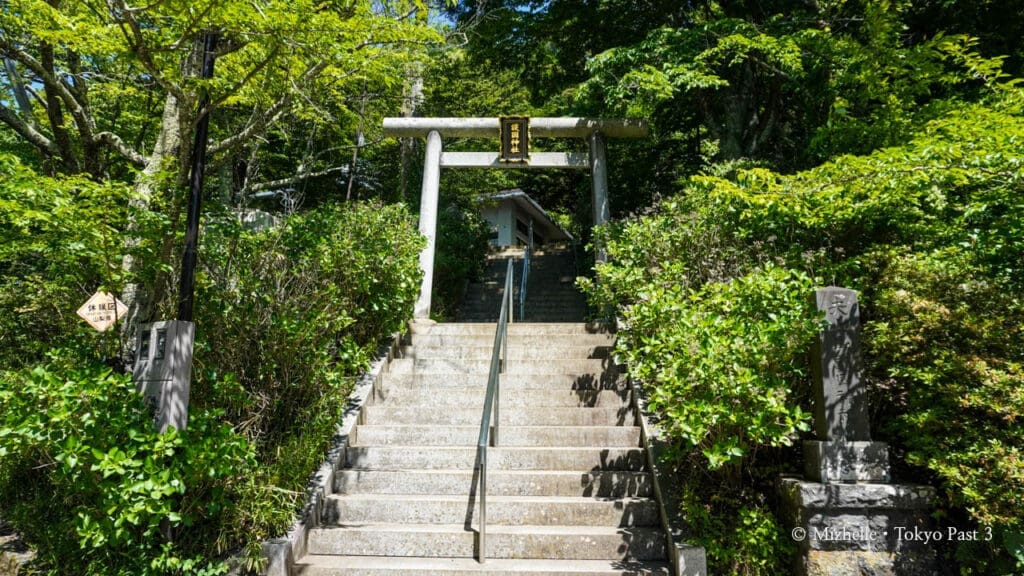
504,541
506,529
497,566
493,498
539,449
516,427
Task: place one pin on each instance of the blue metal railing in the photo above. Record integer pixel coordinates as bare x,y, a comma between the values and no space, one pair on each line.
523,279
525,276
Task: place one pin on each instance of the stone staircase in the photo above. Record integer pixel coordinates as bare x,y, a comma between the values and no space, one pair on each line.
551,294
569,491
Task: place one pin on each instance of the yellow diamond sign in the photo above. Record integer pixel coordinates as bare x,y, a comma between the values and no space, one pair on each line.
102,310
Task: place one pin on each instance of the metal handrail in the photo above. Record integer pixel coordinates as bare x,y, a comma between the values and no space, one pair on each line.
499,358
523,278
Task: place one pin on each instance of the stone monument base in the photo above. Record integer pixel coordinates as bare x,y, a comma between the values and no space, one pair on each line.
848,563
846,461
859,529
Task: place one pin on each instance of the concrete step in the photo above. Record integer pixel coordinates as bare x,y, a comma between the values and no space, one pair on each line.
541,352
519,382
522,458
597,484
552,308
539,315
509,416
550,297
446,541
445,365
316,565
511,436
540,290
514,340
470,397
515,329
501,510
549,316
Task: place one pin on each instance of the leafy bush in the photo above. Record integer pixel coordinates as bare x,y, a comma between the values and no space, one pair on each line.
87,480
710,284
951,341
718,333
60,239
286,318
722,361
737,529
462,244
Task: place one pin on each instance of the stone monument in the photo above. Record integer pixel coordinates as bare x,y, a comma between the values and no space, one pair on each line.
846,518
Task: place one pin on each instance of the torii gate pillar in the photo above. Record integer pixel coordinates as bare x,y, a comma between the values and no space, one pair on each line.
599,185
428,220
594,130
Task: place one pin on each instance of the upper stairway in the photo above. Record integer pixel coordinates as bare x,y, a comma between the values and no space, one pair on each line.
569,491
551,294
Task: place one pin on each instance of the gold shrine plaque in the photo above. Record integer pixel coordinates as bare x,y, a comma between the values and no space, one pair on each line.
515,139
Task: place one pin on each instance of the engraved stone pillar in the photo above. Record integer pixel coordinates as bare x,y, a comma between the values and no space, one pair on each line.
846,518
844,450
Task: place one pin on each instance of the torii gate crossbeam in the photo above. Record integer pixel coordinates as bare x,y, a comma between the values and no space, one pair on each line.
592,129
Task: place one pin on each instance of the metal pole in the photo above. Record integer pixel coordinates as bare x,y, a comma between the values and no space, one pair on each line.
483,505
428,221
188,263
508,293
497,384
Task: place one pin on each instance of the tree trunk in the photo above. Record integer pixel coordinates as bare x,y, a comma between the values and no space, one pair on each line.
55,115
409,104
140,299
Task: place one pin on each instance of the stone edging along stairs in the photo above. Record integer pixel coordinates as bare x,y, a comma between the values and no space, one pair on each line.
570,490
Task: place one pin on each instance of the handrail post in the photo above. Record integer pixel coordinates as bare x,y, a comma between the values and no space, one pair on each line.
509,295
483,505
524,278
497,385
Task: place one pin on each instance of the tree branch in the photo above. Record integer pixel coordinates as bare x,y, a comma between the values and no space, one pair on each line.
26,131
114,141
258,121
293,179
133,35
238,85
51,82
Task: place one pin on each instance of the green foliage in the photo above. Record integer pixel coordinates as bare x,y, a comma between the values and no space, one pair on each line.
462,244
287,317
112,82
87,480
951,337
722,361
717,331
737,529
60,241
929,232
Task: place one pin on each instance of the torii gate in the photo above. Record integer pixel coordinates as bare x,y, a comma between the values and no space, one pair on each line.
515,155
